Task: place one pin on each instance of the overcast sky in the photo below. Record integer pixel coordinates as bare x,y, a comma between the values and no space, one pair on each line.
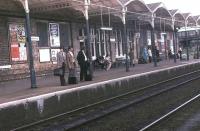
185,6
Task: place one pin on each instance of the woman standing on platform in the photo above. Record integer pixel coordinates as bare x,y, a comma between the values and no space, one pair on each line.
150,54
71,64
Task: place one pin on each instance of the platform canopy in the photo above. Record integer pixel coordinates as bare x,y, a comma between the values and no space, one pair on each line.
60,9
190,21
197,19
178,17
74,10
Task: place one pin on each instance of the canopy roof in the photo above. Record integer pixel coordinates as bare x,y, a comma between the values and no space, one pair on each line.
63,9
197,19
137,6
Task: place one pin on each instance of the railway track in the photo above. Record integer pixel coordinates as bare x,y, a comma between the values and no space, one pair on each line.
78,117
155,124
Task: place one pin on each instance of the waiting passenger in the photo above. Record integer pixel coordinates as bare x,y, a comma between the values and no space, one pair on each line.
107,62
131,55
180,53
150,55
169,54
61,63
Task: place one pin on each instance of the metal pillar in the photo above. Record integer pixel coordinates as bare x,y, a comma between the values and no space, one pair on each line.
174,45
197,49
125,38
153,47
165,43
174,39
197,42
153,43
28,33
88,49
186,42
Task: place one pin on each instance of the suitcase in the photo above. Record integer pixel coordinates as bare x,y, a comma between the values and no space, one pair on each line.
72,80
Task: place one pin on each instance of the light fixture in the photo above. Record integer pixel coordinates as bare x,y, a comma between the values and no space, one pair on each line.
106,28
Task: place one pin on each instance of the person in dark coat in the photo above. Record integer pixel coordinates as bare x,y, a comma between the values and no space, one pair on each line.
82,61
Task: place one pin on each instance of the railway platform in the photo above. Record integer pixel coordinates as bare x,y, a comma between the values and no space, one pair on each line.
25,105
20,89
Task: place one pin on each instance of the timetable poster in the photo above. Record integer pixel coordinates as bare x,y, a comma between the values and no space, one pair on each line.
54,34
54,55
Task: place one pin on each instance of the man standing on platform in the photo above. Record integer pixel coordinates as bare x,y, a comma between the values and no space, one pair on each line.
61,63
82,61
180,53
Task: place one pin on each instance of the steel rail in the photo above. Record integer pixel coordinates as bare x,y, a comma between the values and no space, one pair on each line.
169,113
123,106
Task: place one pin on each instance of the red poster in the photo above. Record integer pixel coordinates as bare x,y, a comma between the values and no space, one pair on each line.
15,52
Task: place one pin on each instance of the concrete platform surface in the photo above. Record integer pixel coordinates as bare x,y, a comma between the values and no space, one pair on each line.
20,89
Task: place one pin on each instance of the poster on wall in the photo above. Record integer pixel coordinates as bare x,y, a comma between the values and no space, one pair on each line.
17,42
54,34
54,55
22,50
44,55
15,52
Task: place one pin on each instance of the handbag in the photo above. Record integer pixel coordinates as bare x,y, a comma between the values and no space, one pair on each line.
58,72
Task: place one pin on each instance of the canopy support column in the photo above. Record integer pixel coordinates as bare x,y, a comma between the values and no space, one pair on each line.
174,39
30,52
88,49
153,41
125,37
186,41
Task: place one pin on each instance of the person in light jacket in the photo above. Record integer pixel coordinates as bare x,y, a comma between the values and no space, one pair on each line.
71,65
61,63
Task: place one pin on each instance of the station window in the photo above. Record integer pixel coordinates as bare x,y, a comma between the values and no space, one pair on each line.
43,34
64,35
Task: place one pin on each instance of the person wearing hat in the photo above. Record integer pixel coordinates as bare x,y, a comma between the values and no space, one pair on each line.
82,61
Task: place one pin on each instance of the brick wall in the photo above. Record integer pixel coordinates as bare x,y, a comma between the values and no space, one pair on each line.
4,47
21,70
